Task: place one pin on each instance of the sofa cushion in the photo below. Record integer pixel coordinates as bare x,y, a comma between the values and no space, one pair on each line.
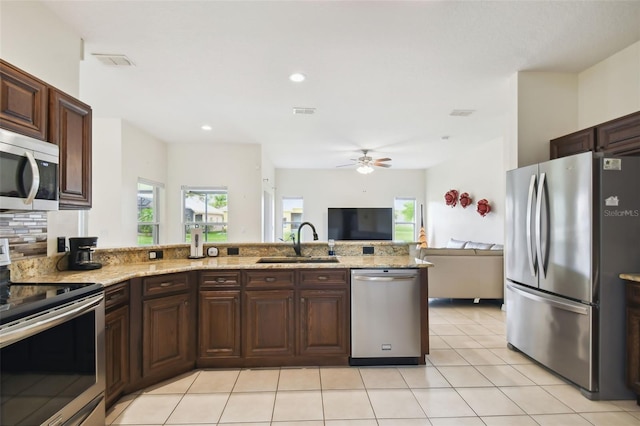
481,246
497,247
444,252
456,244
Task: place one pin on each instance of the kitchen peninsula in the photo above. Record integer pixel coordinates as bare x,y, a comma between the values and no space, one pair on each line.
168,316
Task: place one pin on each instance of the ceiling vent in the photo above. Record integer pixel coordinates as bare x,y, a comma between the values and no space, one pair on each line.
462,112
303,111
114,60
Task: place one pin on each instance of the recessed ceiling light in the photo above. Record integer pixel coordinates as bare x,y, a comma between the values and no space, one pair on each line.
297,77
205,127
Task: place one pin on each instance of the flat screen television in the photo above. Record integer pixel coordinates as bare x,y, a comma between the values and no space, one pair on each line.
360,223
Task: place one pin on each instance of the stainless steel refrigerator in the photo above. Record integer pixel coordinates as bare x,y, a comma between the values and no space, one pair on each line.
573,225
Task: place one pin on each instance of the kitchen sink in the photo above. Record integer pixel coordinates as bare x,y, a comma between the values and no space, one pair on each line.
299,259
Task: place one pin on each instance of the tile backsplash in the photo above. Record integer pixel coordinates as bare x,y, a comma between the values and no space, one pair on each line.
26,232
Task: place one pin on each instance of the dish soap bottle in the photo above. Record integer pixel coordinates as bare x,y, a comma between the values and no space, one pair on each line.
332,244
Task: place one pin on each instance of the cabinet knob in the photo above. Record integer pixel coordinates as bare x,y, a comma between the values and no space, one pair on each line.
221,280
322,278
165,284
270,279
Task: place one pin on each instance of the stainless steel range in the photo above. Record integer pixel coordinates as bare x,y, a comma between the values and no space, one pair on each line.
52,365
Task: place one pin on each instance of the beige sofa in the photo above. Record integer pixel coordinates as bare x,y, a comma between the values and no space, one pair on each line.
465,273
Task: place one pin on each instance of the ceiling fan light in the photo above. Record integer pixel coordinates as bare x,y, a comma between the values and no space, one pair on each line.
365,169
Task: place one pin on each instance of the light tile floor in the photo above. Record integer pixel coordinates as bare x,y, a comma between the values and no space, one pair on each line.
470,379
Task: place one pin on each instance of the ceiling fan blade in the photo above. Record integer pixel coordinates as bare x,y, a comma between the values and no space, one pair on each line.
346,165
382,165
382,159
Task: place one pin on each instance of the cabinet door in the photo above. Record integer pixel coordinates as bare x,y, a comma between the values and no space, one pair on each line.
70,129
117,352
219,324
621,136
165,334
23,102
324,322
633,337
574,143
269,324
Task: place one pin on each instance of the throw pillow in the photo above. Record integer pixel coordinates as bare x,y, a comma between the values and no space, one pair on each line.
456,244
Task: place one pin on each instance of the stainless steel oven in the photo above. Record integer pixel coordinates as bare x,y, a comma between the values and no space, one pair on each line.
52,354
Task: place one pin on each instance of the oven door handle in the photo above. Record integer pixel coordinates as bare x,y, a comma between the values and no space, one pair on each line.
32,326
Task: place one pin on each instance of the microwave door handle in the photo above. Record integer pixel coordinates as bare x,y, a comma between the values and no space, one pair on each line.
36,178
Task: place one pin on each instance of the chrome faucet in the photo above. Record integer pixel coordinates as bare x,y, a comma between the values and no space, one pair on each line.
296,243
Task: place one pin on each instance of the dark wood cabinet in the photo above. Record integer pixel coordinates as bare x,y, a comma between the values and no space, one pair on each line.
165,333
23,102
31,107
324,322
269,323
574,143
116,341
633,337
620,136
70,129
219,320
163,327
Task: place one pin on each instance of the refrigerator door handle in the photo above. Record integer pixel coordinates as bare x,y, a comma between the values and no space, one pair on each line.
548,301
531,255
538,224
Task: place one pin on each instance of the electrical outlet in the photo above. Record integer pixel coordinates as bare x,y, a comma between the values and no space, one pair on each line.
155,254
233,251
62,244
367,250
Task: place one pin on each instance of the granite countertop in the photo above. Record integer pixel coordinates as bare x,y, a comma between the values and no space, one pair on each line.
113,274
631,277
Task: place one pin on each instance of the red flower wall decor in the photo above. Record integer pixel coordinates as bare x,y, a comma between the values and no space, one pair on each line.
451,197
483,207
465,200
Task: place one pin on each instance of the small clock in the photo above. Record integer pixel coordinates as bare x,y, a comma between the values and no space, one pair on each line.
212,251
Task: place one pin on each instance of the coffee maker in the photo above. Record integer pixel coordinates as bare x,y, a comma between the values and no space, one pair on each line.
81,253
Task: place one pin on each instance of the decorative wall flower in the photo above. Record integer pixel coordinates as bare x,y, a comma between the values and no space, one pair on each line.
451,197
483,207
465,200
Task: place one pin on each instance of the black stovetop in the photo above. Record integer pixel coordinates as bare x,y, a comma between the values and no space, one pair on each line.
19,300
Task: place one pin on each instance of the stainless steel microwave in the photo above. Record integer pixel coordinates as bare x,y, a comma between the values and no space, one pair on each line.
28,173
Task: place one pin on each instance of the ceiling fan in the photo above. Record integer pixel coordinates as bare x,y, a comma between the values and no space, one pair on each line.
366,163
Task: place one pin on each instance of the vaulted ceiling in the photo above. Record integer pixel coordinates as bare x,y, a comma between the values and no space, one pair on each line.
381,75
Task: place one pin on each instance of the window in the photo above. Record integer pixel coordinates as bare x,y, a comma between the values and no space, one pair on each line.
404,216
148,202
205,208
291,216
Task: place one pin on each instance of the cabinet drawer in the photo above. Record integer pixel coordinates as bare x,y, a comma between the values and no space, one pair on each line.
116,295
270,278
219,279
163,284
633,294
323,276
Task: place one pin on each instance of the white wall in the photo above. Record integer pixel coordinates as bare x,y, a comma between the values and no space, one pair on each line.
122,153
547,108
610,89
35,40
105,216
236,166
480,173
322,189
143,156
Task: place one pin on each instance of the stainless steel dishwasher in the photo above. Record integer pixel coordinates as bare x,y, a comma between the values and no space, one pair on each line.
385,316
